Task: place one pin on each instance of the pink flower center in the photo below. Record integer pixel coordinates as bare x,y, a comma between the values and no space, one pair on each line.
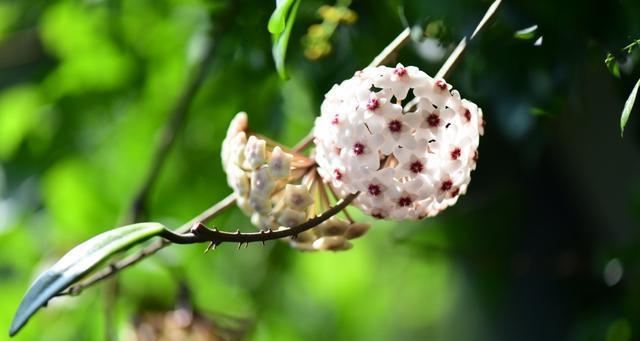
467,114
475,156
338,174
455,192
433,120
416,166
455,154
395,126
446,185
378,214
404,201
441,84
358,148
400,71
373,104
335,120
374,190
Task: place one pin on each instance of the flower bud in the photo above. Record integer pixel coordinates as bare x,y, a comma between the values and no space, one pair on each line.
357,230
297,197
332,243
332,227
280,163
255,152
289,217
262,182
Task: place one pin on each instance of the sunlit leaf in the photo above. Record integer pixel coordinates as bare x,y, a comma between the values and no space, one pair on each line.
77,263
281,40
526,33
538,41
278,17
19,112
612,65
539,112
628,106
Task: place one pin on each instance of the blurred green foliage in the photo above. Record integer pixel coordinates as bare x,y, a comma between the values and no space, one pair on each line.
86,85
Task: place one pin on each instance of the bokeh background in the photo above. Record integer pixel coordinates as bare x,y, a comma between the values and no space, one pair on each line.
545,245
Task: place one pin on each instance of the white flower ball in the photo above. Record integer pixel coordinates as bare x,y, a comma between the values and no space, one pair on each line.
408,163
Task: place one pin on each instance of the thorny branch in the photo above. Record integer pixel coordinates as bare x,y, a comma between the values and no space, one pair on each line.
200,233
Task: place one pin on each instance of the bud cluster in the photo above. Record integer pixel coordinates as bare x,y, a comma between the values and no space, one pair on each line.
277,188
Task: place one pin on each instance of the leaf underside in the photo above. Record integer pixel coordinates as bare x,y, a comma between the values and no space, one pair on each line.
77,263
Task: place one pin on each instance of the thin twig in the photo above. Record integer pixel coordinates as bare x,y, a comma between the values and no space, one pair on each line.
178,116
455,55
389,52
335,196
304,143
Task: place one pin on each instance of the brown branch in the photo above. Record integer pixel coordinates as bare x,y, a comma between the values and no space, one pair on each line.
201,234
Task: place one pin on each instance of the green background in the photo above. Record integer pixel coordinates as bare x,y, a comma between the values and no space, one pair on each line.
532,252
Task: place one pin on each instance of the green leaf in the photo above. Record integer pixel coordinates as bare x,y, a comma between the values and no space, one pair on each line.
77,263
539,112
628,105
281,40
278,17
612,65
526,33
20,111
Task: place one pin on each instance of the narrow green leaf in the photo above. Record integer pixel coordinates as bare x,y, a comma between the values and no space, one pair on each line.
77,263
526,33
628,106
281,41
487,15
277,20
539,112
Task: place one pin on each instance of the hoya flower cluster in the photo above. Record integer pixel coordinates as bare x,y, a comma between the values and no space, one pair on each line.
275,188
408,162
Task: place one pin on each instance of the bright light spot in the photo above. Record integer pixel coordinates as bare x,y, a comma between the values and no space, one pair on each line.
613,272
538,42
431,49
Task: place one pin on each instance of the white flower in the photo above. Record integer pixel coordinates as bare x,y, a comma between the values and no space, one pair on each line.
429,150
402,79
